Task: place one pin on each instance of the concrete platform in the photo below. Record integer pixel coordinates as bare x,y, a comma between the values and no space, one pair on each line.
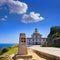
50,52
22,57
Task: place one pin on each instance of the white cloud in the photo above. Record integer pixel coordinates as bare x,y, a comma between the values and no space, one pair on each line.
3,2
15,6
18,7
32,17
3,18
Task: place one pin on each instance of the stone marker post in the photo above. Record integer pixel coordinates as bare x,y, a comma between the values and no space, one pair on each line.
22,50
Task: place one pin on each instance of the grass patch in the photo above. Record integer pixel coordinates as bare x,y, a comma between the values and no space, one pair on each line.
11,51
5,58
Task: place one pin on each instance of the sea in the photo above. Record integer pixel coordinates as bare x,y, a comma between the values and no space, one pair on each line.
6,45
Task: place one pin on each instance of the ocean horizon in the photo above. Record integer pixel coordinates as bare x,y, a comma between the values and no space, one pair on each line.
6,45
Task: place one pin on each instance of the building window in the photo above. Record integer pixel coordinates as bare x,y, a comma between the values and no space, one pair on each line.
29,39
36,36
36,39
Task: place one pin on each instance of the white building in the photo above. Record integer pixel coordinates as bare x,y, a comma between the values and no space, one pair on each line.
36,39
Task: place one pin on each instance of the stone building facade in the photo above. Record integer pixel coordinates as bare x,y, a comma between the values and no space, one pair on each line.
36,39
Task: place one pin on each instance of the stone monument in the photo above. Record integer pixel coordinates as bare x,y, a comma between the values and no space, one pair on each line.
22,49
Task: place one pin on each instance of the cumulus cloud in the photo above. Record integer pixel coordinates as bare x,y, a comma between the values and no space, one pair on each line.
18,7
15,6
3,2
4,18
32,18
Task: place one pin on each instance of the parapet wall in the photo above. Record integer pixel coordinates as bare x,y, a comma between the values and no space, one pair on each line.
52,57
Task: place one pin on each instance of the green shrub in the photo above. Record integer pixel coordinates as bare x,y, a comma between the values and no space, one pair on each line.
4,50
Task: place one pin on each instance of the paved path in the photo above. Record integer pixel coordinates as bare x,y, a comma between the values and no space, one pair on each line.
35,56
49,50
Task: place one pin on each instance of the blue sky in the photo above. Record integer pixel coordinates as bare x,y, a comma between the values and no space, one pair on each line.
26,15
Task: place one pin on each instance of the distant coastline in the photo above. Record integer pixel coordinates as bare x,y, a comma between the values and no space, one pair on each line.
5,45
